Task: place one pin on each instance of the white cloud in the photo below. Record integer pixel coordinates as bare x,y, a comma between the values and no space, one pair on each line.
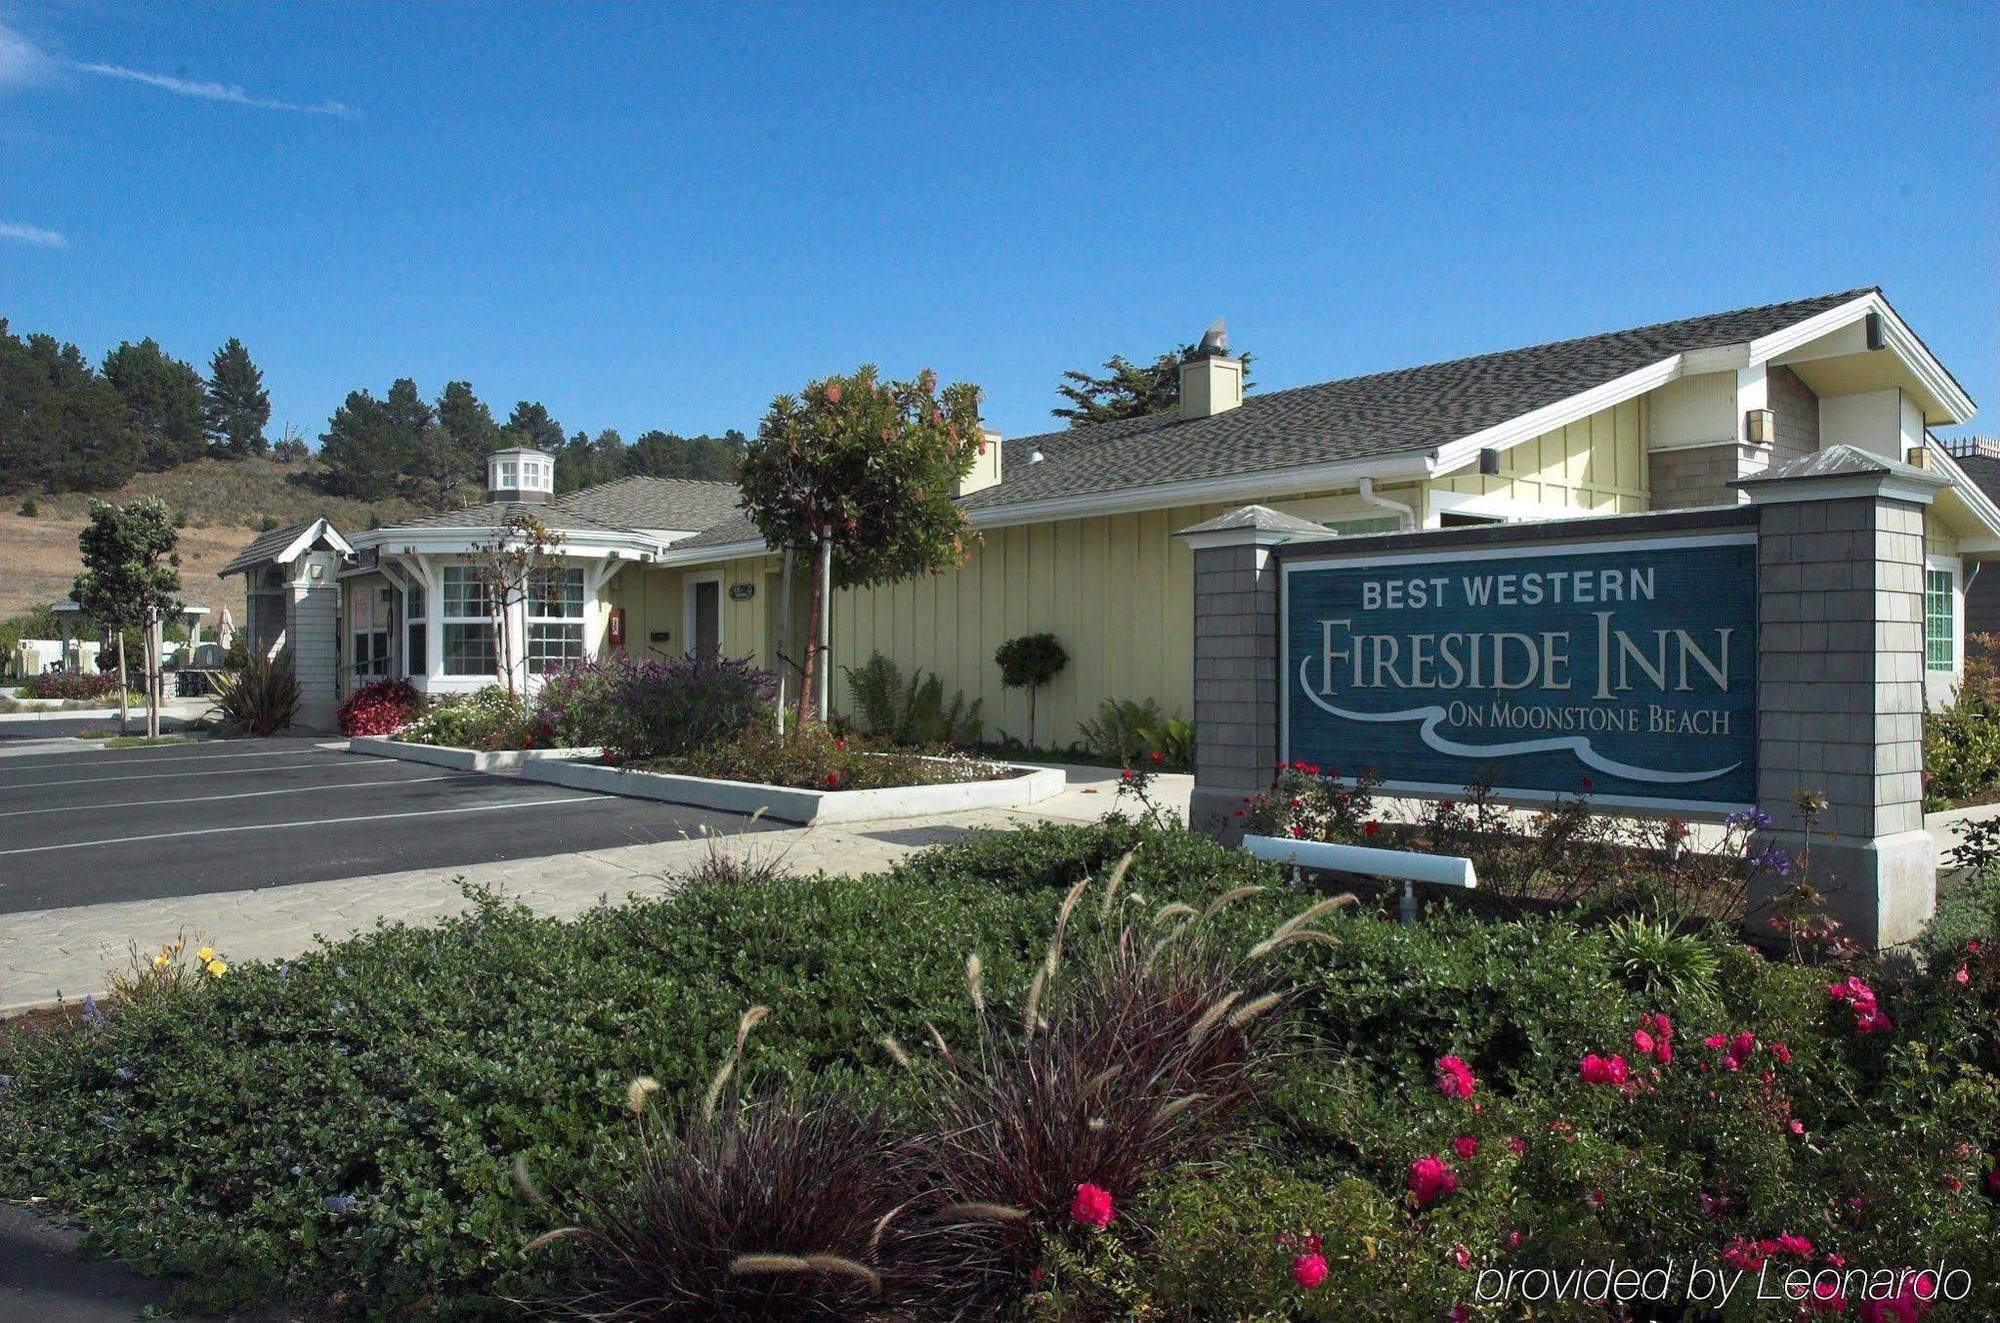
21,61
33,234
207,91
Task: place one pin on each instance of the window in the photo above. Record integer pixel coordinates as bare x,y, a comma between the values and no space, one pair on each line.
1940,624
555,621
507,473
469,645
368,619
416,651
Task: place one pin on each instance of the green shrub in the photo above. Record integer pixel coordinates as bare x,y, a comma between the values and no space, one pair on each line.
1029,662
652,709
1967,910
813,757
1123,729
71,685
29,508
913,711
1962,738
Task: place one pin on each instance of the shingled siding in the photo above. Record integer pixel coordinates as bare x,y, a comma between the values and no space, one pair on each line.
1795,409
1598,463
1700,475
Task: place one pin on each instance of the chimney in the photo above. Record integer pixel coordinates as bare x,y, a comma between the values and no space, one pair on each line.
985,469
521,475
1211,381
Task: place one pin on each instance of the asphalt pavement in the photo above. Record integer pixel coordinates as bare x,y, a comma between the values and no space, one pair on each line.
104,825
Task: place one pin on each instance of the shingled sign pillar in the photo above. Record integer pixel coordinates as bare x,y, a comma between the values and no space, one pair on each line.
1840,570
1236,660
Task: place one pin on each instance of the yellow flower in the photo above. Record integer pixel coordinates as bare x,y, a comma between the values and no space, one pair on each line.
206,954
217,968
160,961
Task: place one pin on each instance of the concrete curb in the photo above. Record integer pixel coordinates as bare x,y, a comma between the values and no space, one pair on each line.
460,760
1030,786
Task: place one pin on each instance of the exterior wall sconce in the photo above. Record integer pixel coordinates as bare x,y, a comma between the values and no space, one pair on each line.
1489,462
1760,426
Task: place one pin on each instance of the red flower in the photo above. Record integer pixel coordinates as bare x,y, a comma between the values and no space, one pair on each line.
1466,1147
1518,1144
833,778
1309,1270
1610,1070
1455,1079
1430,1178
1371,827
1092,1206
1157,756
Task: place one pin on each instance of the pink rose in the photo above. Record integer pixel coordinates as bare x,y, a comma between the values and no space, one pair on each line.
1309,1270
1092,1206
1430,1179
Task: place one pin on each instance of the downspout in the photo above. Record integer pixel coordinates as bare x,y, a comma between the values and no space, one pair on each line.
1406,513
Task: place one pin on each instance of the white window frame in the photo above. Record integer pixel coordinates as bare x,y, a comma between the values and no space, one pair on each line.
416,626
1954,567
688,582
541,665
447,620
364,594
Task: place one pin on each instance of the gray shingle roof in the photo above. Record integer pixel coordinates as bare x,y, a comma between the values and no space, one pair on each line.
1842,461
491,514
1408,410
737,528
265,546
642,502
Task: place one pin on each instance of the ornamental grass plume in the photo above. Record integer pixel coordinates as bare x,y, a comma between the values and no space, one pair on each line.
1141,1064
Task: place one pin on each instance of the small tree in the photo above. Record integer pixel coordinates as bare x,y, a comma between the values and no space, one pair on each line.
131,579
861,471
1128,389
1029,662
522,561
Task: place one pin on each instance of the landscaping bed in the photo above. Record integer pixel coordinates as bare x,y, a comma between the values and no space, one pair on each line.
959,786
381,1128
462,760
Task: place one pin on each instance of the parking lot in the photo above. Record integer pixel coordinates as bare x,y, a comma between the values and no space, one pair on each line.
98,826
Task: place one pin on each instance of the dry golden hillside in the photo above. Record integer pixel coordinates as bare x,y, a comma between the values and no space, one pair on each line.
225,503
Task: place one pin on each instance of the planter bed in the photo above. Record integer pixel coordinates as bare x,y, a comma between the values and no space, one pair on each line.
1026,785
460,760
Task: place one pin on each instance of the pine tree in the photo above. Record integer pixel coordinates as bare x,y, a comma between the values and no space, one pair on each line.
1127,390
164,399
238,408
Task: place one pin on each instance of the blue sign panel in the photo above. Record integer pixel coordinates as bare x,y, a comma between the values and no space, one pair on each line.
1628,668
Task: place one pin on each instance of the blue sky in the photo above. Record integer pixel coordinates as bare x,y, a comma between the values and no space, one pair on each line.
660,216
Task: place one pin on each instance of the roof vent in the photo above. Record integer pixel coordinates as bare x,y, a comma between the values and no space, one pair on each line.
1211,381
520,474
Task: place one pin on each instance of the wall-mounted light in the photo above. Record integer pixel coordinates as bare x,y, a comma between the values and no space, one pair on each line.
1874,324
1489,462
1760,426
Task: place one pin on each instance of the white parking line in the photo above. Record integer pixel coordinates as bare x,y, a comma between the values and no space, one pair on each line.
158,753
241,794
158,776
316,822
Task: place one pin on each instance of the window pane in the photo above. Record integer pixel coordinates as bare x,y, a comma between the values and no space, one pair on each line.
417,655
470,650
413,608
465,593
560,596
552,647
1939,655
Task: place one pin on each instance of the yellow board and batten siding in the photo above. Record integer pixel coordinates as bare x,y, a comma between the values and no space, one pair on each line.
1116,590
1596,463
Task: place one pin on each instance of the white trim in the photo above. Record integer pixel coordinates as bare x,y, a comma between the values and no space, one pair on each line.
320,527
1974,496
1536,422
1897,337
688,582
1781,491
1952,565
1504,508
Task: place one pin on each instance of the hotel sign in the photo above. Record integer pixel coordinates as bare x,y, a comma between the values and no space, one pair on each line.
1629,667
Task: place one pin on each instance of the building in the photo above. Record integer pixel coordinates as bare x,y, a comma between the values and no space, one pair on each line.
1979,458
1077,526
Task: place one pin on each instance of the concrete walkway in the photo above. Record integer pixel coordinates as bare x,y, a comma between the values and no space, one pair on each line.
65,953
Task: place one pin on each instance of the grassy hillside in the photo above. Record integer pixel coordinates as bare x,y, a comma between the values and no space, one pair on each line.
224,502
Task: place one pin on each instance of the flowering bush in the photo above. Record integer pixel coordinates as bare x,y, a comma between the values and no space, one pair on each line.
380,707
71,685
490,720
818,758
641,710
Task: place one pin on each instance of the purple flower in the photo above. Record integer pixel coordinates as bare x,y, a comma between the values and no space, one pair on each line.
1771,860
91,1015
339,1203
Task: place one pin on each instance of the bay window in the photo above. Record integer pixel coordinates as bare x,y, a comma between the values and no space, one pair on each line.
470,647
555,621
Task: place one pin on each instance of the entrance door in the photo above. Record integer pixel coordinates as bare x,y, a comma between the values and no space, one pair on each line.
704,617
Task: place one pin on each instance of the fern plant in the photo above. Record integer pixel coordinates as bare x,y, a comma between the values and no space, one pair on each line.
913,710
1122,730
